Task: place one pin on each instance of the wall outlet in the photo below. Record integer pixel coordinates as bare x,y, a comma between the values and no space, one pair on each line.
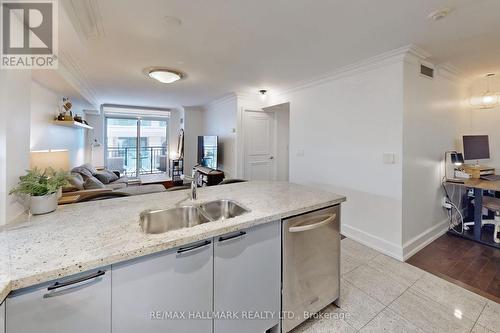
446,204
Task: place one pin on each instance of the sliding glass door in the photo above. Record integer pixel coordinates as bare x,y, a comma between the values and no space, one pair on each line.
137,146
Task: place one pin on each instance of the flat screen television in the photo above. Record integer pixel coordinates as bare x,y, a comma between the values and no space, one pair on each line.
207,151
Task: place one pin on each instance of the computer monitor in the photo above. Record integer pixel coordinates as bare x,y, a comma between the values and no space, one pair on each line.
476,147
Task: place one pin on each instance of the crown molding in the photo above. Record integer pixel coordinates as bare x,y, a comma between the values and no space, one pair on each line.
86,18
221,100
75,76
450,72
380,60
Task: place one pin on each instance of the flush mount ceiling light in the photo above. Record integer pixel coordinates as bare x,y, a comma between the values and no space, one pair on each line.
164,75
439,14
487,100
263,91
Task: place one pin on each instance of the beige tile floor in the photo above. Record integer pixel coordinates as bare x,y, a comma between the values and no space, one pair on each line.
381,294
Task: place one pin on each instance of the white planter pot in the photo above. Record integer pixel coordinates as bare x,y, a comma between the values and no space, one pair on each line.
43,204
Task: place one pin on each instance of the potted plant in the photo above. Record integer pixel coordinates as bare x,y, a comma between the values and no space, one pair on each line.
42,188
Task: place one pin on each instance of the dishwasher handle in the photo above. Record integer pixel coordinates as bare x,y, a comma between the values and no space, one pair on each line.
313,226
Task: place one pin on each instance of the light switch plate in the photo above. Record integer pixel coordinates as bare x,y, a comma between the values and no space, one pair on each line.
300,152
389,158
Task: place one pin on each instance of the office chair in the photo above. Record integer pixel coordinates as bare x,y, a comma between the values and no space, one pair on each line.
492,204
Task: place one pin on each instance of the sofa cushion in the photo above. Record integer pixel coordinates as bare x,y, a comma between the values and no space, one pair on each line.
75,183
115,185
82,171
143,189
93,183
106,176
90,168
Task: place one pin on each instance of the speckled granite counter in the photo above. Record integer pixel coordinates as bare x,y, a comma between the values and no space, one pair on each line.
84,236
4,267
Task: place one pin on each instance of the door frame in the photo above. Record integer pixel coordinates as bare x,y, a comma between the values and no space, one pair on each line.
243,143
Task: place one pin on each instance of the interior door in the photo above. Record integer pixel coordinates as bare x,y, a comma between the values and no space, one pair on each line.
259,145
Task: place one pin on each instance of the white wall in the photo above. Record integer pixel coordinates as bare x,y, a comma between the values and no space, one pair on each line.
95,155
15,86
45,135
431,126
220,118
339,130
193,126
477,121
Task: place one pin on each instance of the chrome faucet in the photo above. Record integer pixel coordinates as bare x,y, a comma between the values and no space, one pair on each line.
194,183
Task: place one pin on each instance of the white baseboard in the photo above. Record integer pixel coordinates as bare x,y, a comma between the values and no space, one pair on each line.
377,243
425,238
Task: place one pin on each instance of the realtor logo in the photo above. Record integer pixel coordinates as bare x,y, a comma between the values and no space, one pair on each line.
29,34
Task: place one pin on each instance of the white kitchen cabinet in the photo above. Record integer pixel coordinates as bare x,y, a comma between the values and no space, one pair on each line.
2,317
247,279
165,292
77,304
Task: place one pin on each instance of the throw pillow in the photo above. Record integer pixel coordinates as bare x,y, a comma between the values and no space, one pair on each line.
106,176
90,167
93,183
76,181
82,171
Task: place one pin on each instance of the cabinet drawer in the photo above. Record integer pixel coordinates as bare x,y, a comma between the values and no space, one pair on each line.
77,304
247,271
157,293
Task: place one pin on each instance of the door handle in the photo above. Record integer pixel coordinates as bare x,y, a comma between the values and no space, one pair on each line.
58,285
225,238
313,225
271,157
193,247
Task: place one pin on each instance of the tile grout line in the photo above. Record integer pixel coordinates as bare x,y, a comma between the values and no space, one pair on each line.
477,319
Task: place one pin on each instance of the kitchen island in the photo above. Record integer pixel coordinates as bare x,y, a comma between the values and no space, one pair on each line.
83,237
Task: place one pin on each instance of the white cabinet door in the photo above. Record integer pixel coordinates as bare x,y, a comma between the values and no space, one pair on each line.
2,317
165,292
77,304
247,279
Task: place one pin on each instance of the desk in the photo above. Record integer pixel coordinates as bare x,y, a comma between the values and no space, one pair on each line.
478,185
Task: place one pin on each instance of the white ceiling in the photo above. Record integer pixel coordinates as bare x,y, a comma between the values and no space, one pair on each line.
240,45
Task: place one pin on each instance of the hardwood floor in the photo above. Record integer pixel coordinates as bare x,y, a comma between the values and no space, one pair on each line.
473,266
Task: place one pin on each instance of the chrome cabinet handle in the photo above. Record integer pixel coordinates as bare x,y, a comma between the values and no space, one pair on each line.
193,247
313,225
58,285
225,238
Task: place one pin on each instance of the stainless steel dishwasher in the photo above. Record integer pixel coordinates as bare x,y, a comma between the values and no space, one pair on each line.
311,264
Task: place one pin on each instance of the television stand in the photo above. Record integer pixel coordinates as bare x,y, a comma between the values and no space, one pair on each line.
208,177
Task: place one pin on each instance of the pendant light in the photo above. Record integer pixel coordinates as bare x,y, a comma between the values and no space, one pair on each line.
487,100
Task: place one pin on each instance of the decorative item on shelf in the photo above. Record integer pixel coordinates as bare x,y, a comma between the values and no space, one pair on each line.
42,188
65,113
78,118
488,99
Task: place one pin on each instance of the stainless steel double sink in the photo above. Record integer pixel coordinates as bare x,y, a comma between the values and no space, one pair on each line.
160,221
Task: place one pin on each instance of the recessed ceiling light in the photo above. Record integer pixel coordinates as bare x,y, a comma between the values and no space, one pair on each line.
164,75
439,14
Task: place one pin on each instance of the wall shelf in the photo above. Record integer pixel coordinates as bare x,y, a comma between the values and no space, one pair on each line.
71,123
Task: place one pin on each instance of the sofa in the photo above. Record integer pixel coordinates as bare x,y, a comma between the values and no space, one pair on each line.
86,180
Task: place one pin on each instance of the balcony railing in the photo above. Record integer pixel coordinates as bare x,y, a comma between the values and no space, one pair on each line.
153,159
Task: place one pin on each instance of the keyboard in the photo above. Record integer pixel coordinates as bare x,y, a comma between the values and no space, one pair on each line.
491,178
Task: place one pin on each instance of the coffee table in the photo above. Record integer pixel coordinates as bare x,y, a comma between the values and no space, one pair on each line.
156,178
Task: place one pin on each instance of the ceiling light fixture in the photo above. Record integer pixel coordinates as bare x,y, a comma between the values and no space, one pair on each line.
164,75
487,100
439,14
263,91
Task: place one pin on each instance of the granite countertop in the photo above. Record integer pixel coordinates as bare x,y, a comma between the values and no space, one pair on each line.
84,236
